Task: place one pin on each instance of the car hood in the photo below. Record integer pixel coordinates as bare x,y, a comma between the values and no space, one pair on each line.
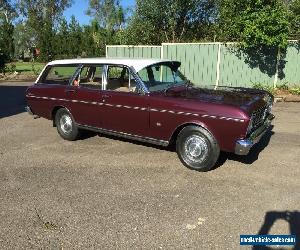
245,98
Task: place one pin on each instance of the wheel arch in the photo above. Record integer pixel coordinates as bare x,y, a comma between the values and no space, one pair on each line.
175,133
54,111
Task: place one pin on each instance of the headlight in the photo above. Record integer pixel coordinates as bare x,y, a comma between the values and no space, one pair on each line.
269,108
250,126
269,102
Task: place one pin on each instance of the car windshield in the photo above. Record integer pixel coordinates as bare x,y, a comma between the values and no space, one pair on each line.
161,76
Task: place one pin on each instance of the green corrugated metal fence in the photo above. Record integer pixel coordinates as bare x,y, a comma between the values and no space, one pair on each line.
291,71
222,64
198,61
133,51
238,70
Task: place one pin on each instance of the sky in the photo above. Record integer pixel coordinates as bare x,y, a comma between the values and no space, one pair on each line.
79,7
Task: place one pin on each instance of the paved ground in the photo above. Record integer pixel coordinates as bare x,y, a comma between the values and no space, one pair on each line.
103,193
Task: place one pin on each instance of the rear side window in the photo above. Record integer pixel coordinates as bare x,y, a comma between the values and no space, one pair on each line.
58,74
90,76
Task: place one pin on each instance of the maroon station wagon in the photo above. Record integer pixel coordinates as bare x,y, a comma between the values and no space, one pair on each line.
150,101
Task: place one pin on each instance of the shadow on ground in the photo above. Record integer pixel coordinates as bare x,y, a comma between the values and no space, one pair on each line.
253,154
291,217
12,100
224,156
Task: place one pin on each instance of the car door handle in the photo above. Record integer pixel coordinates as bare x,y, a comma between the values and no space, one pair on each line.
70,90
106,96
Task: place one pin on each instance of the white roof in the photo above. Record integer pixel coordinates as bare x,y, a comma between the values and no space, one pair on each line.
137,64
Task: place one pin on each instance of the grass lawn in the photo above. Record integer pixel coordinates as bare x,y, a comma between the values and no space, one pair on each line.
27,68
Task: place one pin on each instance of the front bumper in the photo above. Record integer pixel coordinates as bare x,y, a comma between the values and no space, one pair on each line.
28,109
242,147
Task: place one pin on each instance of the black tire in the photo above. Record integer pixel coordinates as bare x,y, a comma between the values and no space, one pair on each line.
197,149
69,131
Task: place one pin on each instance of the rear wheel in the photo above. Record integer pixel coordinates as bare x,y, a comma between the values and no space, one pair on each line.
65,124
197,148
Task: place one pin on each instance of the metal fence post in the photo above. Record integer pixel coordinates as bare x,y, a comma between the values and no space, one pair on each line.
277,66
218,66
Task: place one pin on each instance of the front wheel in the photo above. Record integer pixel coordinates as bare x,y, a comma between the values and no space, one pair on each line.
197,148
65,124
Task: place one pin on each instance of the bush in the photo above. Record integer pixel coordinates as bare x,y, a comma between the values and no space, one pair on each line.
281,89
295,91
264,86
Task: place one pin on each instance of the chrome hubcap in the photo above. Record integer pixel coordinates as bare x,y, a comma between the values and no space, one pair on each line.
195,148
66,124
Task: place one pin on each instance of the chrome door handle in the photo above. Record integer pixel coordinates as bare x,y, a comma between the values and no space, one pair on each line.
70,90
106,96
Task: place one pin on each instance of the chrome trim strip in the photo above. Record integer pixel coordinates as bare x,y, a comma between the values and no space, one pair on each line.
223,118
126,135
141,108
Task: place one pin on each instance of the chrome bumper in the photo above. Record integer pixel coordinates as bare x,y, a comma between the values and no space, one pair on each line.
28,109
242,147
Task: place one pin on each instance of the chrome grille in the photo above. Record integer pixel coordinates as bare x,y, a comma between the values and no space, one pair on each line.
258,116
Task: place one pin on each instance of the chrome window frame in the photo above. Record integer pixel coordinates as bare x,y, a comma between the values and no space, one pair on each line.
141,88
163,63
44,73
77,73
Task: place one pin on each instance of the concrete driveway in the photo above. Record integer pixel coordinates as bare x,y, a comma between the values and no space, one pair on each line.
103,193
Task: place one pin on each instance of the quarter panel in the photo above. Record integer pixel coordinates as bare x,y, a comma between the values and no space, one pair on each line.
43,97
167,114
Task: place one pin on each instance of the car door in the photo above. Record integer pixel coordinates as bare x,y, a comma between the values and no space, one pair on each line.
125,110
84,95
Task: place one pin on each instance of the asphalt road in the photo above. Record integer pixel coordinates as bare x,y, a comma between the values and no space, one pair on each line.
103,193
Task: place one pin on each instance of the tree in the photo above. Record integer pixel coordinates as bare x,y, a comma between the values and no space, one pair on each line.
110,17
7,15
23,40
43,17
294,7
74,39
254,23
88,43
62,40
156,21
108,13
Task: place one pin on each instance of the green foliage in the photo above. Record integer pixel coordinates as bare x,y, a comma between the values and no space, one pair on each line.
254,22
108,13
260,24
10,68
74,38
283,88
36,70
7,15
265,87
295,91
294,8
42,17
23,37
156,21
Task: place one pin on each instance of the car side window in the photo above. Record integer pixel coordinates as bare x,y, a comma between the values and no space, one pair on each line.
120,79
90,77
58,74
